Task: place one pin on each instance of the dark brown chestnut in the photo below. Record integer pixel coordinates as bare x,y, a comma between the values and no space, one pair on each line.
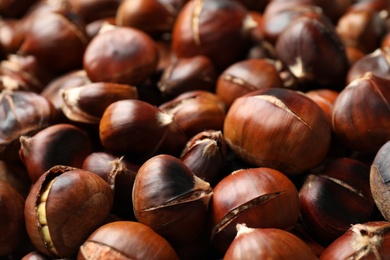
93,10
126,240
278,128
380,180
12,227
313,51
155,17
257,197
360,113
120,174
12,35
248,75
267,243
22,113
64,207
134,127
187,74
59,144
205,155
16,175
196,111
131,53
15,8
171,200
87,103
335,196
324,98
194,31
369,240
64,44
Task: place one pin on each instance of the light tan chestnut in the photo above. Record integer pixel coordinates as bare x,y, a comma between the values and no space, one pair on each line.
278,128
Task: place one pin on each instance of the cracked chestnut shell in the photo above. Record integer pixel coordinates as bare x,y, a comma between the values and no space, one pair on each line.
126,240
257,197
313,52
380,180
171,200
335,196
64,207
360,113
267,243
369,240
278,128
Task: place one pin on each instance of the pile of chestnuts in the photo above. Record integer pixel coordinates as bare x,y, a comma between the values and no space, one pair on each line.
194,129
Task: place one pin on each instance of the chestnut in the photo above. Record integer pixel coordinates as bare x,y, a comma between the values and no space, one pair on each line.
126,240
131,53
379,180
335,196
196,111
64,44
313,51
324,98
187,74
258,197
12,35
12,227
22,113
360,113
59,144
16,175
120,174
87,103
369,240
376,62
171,200
64,207
134,128
247,75
205,155
278,128
15,8
155,17
267,243
194,31
93,10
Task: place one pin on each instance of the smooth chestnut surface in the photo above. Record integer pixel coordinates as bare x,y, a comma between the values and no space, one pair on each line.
360,114
257,197
313,52
64,207
12,227
278,128
131,53
59,144
380,180
171,200
126,240
267,243
335,196
324,98
245,76
194,31
369,240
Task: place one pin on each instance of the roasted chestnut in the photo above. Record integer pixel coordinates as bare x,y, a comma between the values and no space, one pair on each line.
278,128
267,243
64,207
369,240
257,197
59,144
171,200
360,113
335,196
131,53
126,240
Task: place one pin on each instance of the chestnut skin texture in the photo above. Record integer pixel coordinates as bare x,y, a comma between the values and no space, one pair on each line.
131,53
278,128
78,202
258,197
369,240
12,227
267,243
126,240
